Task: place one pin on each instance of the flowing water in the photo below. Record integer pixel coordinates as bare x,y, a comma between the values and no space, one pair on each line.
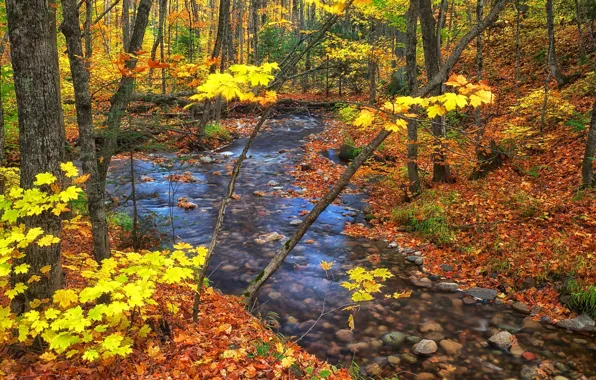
301,298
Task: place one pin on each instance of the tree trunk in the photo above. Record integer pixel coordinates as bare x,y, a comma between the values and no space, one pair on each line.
431,62
588,162
88,36
479,65
163,4
125,23
578,16
552,55
41,132
80,79
121,98
3,44
372,74
517,45
412,23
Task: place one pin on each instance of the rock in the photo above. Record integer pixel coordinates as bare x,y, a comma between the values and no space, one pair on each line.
425,347
273,236
358,347
394,339
581,323
435,335
344,335
521,307
295,222
430,327
373,369
407,357
412,259
528,373
447,287
517,351
446,267
394,360
375,344
229,268
451,347
530,324
425,376
275,295
421,282
559,377
419,261
272,183
291,320
469,300
502,339
482,293
529,356
206,160
412,339
392,245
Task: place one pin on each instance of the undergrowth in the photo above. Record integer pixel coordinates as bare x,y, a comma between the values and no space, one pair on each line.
583,299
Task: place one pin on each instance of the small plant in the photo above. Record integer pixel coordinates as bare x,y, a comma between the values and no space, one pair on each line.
348,113
583,299
122,220
527,205
427,217
217,131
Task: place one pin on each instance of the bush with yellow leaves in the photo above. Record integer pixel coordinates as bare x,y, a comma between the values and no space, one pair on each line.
100,318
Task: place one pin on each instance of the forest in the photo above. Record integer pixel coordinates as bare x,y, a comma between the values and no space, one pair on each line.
298,189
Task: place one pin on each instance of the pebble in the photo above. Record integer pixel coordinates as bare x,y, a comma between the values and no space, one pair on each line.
272,183
344,335
451,347
447,287
275,295
295,222
446,267
421,282
430,327
394,339
229,268
425,347
482,293
521,307
528,373
394,360
425,376
409,358
502,339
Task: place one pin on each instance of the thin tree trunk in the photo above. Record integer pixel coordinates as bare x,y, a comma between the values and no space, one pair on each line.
517,46
412,23
88,36
252,289
163,4
588,162
479,66
125,23
80,78
3,44
552,55
578,16
372,75
41,133
121,98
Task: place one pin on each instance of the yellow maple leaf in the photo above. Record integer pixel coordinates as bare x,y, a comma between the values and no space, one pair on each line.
326,265
287,362
365,119
65,297
396,126
456,80
436,110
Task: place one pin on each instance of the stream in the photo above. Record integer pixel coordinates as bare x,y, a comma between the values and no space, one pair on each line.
295,297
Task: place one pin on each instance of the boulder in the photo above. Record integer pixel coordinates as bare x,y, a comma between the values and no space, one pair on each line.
581,323
482,293
447,287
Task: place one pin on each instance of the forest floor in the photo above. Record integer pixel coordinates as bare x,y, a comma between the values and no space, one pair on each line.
526,229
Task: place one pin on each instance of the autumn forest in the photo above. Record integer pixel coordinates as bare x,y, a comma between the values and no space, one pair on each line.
298,189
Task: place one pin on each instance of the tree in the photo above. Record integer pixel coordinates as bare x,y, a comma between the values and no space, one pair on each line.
80,79
411,42
41,132
588,177
552,55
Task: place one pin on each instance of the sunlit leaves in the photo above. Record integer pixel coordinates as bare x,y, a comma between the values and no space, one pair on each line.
69,169
364,283
326,265
65,297
44,179
365,119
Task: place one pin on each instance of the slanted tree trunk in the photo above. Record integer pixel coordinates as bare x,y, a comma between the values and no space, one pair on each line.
412,80
588,178
121,98
41,132
80,79
552,55
281,254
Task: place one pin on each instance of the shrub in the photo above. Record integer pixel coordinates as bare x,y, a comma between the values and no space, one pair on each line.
427,217
217,131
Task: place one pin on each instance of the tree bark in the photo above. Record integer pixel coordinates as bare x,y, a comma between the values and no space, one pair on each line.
41,132
552,55
251,291
578,16
121,98
412,80
80,78
588,162
125,24
3,44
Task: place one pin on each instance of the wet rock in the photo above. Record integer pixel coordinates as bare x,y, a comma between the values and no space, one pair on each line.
435,335
528,373
275,296
229,268
407,357
581,323
529,356
291,320
425,376
561,367
521,307
344,335
394,360
358,347
392,245
373,369
502,339
530,324
425,347
421,282
446,267
469,300
206,160
517,351
482,293
447,287
451,347
394,339
430,327
273,236
559,377
375,344
412,339
272,183
295,222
